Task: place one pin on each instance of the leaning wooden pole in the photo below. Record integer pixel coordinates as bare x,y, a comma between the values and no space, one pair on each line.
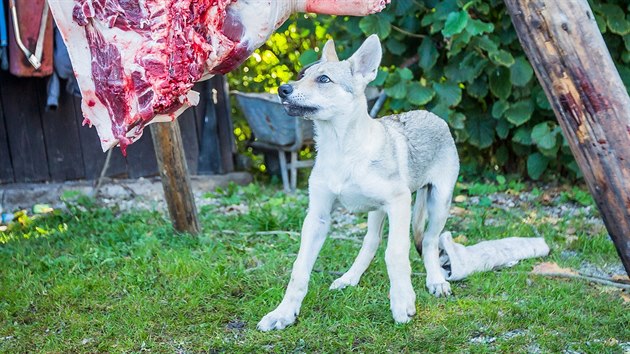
571,61
169,152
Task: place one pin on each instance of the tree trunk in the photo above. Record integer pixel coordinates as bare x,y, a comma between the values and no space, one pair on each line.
573,65
169,152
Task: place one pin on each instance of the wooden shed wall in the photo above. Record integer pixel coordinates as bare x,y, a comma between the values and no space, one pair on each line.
38,145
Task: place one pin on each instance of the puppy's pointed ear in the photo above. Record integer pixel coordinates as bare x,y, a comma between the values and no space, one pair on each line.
367,58
329,53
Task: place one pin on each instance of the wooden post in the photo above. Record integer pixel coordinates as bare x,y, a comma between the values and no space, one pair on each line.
173,169
573,65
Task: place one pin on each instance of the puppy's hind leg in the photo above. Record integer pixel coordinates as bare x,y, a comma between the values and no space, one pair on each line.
366,254
419,217
438,204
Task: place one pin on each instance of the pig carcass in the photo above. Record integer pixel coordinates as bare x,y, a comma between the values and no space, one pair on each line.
137,60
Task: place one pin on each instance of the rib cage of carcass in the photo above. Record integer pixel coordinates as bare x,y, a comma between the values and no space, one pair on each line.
137,60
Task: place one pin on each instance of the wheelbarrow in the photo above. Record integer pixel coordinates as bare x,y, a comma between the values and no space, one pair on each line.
274,130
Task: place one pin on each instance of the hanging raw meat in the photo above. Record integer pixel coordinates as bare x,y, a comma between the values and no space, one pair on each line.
136,60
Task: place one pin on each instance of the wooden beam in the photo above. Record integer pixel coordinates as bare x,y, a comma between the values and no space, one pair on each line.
173,169
571,61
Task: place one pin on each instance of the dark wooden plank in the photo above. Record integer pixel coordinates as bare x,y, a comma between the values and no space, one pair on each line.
225,128
200,109
6,166
24,128
93,156
141,160
189,139
61,135
209,149
175,178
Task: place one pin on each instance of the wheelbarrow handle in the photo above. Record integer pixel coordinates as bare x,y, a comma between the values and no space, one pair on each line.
35,62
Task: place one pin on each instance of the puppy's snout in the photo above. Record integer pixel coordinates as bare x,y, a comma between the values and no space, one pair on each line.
285,90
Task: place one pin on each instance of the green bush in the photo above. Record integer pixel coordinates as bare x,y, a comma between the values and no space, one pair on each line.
463,62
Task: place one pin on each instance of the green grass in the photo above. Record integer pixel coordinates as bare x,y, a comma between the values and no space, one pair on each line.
98,280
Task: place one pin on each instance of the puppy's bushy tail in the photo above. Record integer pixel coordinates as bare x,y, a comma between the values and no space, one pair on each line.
419,217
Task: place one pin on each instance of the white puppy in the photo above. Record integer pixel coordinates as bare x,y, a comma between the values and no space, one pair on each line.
369,165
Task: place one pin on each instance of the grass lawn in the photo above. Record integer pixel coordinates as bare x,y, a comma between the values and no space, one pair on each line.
95,279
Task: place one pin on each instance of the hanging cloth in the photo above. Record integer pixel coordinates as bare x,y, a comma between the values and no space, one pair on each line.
4,42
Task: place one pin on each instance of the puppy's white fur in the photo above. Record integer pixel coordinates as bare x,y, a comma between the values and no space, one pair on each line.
369,165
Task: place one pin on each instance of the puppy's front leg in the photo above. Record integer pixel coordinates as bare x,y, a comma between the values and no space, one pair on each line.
402,296
314,233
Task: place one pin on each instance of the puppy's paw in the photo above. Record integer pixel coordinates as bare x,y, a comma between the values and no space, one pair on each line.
439,289
344,281
403,304
277,319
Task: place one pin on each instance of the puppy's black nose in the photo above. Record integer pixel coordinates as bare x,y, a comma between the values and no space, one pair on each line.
285,90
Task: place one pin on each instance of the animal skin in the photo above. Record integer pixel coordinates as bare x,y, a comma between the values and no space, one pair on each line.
137,61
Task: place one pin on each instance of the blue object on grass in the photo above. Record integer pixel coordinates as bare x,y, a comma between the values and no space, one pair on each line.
7,218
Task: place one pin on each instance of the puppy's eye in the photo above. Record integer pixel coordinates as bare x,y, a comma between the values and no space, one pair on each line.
323,79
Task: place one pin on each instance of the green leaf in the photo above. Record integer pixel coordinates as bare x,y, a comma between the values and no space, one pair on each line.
405,74
541,100
449,93
478,89
458,44
351,26
480,131
457,120
381,75
403,6
428,54
444,8
398,90
615,18
624,73
601,23
472,66
375,24
476,27
502,155
498,108
441,111
502,57
500,84
395,85
485,43
536,165
455,23
543,136
395,47
503,128
307,57
419,95
398,104
520,112
618,24
523,136
521,72
550,153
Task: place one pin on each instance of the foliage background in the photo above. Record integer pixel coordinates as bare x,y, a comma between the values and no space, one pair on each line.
467,66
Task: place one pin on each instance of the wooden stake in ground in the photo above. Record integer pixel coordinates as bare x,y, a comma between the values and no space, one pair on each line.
571,61
169,152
